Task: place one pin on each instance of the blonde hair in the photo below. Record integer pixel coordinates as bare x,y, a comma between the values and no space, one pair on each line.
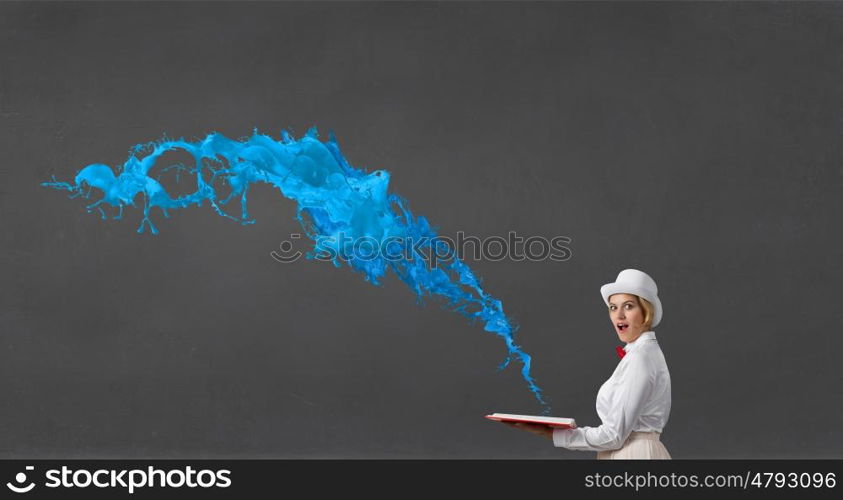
649,312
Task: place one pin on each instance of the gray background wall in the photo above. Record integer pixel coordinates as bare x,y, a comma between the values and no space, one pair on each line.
699,142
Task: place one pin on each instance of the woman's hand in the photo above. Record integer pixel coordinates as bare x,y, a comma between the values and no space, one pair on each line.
538,429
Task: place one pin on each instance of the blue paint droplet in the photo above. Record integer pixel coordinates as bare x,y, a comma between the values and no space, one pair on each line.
337,205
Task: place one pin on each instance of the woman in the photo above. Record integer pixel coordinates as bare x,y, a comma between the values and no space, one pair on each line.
634,404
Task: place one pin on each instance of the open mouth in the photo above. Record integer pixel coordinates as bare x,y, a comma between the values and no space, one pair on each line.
622,327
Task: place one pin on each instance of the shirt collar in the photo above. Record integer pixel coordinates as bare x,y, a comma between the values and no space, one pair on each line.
631,346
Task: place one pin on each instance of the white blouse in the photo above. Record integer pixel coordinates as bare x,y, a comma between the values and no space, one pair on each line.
635,398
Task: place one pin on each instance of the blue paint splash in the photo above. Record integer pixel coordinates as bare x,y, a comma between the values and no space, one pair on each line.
334,201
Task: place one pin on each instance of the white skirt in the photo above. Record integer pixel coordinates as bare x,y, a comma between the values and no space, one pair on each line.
638,446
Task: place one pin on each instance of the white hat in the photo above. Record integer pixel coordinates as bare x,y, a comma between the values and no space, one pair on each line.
635,282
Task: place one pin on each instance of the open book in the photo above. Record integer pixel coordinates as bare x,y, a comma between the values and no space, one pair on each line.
557,422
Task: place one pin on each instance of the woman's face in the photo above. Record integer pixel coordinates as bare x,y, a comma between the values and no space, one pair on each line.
627,316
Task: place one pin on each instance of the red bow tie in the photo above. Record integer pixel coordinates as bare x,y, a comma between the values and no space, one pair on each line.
620,351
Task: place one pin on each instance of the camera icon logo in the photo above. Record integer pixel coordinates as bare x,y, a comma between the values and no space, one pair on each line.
20,478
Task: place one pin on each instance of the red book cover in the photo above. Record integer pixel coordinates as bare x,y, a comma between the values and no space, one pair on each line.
556,422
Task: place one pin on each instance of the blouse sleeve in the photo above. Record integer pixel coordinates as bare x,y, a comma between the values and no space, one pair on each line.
626,404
